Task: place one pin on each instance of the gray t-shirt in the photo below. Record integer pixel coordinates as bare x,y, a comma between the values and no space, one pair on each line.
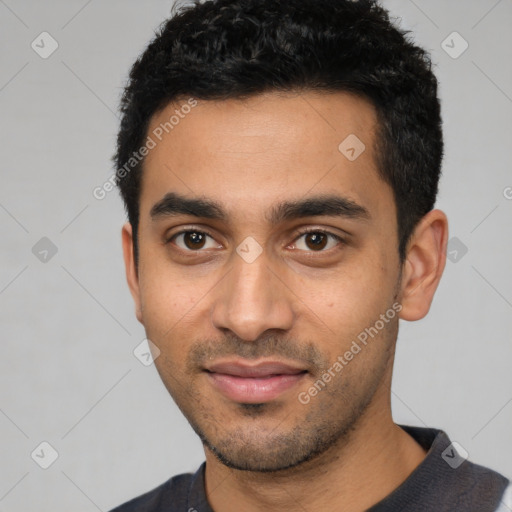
443,482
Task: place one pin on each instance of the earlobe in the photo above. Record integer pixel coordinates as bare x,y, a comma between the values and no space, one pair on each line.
424,265
130,268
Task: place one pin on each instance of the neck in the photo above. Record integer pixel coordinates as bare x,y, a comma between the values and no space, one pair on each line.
356,473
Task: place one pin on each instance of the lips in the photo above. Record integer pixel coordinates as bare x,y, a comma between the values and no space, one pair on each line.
256,383
264,369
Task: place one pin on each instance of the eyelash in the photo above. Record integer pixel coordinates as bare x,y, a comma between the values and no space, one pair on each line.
300,234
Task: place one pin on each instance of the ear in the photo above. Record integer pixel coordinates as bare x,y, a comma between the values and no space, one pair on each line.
424,265
131,271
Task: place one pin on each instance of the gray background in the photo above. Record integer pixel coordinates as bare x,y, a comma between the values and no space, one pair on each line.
68,373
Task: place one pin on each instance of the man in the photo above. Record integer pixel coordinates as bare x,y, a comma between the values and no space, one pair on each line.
279,163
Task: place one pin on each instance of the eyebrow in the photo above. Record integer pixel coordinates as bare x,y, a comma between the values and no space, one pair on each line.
173,204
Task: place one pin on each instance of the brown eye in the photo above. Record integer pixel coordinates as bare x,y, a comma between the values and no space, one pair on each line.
317,241
193,240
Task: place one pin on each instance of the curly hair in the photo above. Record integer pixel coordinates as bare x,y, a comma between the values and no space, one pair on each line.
223,49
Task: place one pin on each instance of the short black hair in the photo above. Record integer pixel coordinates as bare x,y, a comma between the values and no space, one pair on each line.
224,49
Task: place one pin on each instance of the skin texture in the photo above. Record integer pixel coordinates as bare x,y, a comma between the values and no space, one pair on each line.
295,303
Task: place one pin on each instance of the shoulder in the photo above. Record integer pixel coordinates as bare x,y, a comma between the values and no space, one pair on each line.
170,496
446,480
506,500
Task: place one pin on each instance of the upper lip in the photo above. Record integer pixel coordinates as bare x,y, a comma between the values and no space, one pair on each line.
262,369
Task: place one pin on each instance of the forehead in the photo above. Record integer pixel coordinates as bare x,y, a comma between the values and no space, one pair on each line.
250,154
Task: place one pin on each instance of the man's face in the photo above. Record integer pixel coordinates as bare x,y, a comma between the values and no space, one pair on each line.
247,310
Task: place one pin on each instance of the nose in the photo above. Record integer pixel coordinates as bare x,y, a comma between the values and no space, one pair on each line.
252,299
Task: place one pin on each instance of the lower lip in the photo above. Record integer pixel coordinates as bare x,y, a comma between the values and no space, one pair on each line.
253,390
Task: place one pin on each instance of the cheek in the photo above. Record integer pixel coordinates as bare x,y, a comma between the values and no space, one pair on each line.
174,310
169,291
351,302
166,306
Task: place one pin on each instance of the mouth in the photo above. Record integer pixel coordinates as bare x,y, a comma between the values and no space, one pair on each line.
255,383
